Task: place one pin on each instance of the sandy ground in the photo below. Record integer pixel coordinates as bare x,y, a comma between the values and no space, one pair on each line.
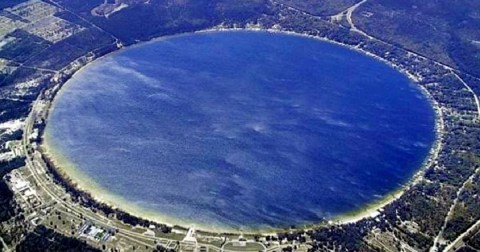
371,210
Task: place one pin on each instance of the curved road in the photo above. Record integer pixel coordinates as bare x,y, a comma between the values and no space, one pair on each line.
35,164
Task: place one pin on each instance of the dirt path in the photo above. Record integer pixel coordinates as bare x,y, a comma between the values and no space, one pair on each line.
5,247
461,236
439,238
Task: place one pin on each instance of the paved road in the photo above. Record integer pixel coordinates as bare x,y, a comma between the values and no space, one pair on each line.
37,168
475,96
5,247
451,211
353,27
459,239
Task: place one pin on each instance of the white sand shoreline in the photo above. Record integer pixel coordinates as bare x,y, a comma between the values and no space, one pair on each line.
373,209
370,210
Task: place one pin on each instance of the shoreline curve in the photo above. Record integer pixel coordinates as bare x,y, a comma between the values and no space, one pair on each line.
99,194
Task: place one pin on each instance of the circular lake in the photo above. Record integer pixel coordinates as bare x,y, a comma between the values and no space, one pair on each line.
240,130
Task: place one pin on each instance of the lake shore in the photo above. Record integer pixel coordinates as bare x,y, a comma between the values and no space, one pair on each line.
370,210
373,209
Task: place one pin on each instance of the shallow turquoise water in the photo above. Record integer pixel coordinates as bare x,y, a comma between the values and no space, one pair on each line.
243,129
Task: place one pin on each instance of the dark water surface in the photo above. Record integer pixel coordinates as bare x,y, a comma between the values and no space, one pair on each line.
243,129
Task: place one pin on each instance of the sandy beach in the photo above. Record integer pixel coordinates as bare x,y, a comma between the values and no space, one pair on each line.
372,209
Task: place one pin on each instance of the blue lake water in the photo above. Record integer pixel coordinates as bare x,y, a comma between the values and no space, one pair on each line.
243,129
